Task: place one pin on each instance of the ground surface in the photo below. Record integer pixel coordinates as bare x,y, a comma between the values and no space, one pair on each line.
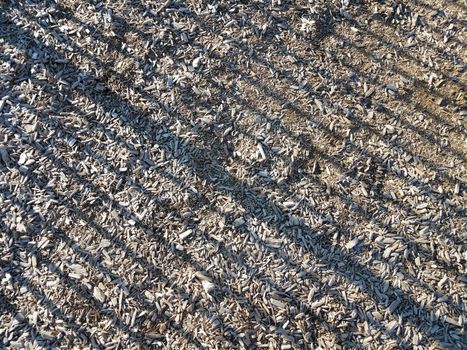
232,174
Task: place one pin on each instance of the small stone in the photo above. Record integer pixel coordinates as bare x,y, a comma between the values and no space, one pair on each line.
390,129
196,62
98,294
185,234
202,276
22,159
238,222
208,286
353,243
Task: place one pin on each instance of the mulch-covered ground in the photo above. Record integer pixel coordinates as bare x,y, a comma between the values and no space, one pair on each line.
233,174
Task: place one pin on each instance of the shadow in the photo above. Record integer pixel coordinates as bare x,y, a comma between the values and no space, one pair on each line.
72,172
312,241
24,329
155,237
43,299
312,43
96,262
